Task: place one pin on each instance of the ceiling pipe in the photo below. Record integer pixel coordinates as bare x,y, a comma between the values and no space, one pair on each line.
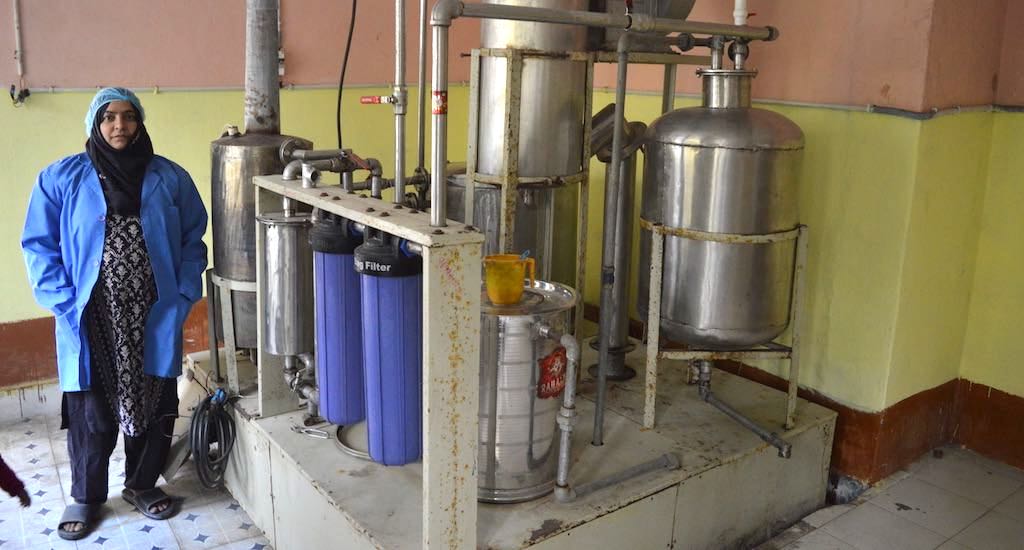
262,90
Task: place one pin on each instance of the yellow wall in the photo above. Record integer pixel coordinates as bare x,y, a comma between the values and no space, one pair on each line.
994,345
941,245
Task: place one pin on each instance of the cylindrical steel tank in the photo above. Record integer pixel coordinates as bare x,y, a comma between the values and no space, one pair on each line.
722,168
535,217
235,160
288,285
521,380
553,94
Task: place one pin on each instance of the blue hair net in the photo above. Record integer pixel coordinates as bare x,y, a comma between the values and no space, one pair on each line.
106,95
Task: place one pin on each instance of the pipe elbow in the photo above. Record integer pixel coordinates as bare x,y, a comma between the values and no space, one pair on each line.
376,168
444,11
641,22
292,170
572,348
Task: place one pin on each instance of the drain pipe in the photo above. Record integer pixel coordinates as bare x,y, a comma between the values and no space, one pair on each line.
611,202
704,391
567,413
303,382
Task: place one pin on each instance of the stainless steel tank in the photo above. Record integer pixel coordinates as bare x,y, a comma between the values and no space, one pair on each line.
553,94
520,393
235,160
287,284
535,217
727,168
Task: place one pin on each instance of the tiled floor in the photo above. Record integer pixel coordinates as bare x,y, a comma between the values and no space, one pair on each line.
951,500
36,449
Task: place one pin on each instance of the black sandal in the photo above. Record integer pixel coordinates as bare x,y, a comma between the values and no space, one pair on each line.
144,500
77,513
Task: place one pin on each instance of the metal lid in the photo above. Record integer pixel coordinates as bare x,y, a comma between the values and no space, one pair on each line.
747,128
279,218
540,298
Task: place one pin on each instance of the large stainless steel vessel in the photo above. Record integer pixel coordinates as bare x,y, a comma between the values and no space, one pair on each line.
235,160
722,168
520,393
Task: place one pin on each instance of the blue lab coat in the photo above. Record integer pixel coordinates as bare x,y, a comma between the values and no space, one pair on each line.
63,247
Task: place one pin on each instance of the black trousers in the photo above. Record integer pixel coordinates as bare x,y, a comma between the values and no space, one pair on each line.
92,436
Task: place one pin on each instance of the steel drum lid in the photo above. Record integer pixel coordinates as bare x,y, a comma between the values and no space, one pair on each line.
539,298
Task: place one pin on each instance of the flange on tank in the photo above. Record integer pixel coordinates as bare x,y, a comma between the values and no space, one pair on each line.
716,172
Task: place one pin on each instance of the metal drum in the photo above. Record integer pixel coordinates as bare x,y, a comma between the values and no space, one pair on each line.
520,393
235,160
722,168
553,94
535,216
288,284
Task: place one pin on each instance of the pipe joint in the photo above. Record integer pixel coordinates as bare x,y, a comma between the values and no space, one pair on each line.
564,494
444,11
641,22
292,170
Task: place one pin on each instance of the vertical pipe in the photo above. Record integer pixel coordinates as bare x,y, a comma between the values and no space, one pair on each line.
262,91
622,231
439,127
668,89
400,101
17,40
421,88
611,198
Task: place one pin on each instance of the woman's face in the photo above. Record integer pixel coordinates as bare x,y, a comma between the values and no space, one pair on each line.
119,124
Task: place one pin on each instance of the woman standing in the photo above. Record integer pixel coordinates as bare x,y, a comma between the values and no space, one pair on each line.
113,245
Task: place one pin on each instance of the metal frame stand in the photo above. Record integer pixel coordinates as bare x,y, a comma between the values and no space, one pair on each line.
220,312
509,180
771,350
451,349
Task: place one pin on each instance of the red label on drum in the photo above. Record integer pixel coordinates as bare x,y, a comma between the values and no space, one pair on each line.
552,374
440,103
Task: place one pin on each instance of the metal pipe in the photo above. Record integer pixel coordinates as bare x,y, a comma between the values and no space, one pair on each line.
318,154
17,40
704,390
376,179
611,200
567,419
211,323
636,21
401,99
292,170
667,461
262,90
421,89
668,89
439,119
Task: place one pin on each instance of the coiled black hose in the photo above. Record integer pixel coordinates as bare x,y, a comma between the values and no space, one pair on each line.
211,424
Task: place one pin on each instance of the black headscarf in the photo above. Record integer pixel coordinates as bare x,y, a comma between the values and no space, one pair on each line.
121,172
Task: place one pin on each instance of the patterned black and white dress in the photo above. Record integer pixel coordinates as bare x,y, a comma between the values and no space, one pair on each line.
116,318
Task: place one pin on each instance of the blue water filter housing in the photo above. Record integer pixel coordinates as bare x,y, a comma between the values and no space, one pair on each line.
338,313
392,307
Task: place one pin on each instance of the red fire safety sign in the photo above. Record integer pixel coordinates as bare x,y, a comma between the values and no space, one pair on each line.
552,374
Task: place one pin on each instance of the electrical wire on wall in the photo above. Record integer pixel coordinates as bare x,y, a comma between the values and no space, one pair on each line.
344,66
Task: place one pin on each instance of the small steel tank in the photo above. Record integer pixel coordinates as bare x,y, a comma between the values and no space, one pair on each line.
722,168
288,284
522,376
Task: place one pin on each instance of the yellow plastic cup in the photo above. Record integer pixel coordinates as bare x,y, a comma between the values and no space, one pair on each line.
504,275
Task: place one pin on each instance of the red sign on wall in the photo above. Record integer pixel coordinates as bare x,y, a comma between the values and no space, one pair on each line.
552,374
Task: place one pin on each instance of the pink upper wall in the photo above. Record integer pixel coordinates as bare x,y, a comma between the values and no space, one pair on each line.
964,50
911,54
1011,68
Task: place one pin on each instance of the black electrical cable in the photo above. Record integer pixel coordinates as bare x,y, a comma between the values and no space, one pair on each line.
211,424
344,66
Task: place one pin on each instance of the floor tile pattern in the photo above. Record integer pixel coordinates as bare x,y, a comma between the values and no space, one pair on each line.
36,449
951,499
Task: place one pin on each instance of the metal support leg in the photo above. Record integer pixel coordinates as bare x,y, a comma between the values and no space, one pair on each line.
227,317
451,378
211,325
796,318
510,164
653,327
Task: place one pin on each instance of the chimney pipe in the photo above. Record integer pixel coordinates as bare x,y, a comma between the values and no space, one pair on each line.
262,91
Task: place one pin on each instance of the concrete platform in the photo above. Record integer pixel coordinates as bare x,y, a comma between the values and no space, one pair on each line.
732,490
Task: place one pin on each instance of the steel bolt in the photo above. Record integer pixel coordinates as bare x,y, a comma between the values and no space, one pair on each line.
437,232
323,194
369,210
384,214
